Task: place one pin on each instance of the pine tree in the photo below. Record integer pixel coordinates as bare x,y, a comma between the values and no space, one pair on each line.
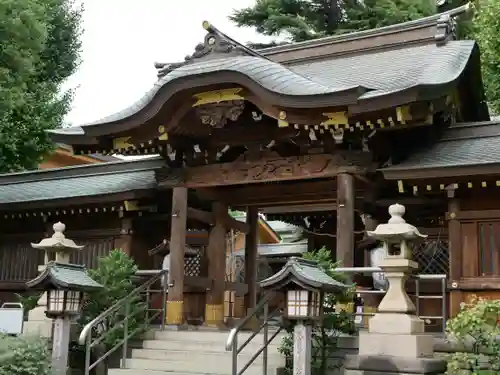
302,20
39,50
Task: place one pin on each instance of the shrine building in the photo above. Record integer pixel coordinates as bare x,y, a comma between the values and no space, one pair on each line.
323,134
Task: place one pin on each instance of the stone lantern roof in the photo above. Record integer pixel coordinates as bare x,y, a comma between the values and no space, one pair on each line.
304,273
396,229
64,276
58,242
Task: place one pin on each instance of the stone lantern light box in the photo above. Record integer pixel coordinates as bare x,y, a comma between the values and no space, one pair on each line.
304,284
65,285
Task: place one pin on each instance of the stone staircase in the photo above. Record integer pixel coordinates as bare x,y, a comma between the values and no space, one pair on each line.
196,352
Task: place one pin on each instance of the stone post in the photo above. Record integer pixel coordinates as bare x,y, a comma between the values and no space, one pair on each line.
395,342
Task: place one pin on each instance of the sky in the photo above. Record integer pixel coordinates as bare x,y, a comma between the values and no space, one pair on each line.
123,38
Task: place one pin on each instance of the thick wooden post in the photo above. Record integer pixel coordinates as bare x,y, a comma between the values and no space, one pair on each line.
251,243
216,254
345,219
175,310
124,242
455,252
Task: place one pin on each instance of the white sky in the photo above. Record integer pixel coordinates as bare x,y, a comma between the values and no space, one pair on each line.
123,38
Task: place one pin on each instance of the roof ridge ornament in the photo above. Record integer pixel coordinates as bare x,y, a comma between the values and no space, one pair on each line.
215,44
445,30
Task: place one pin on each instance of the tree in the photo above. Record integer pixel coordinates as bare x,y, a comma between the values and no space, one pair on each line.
39,50
302,20
486,31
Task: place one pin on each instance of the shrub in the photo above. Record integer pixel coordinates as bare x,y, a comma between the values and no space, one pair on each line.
25,355
324,337
116,273
477,327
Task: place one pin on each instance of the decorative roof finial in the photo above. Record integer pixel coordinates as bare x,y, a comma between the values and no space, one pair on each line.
397,211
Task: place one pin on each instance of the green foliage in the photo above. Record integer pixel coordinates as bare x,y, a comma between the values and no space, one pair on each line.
236,213
477,325
24,355
486,31
39,51
302,20
324,337
29,301
115,273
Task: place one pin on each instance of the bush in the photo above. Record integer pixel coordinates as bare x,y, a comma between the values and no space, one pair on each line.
324,337
477,327
116,273
25,355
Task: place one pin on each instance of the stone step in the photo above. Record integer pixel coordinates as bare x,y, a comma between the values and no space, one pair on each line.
197,346
274,359
129,371
208,336
193,366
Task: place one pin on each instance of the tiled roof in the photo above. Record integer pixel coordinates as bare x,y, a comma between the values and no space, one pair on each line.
393,70
80,181
462,145
372,75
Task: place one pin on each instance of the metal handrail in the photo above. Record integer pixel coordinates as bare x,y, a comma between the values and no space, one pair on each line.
85,337
232,340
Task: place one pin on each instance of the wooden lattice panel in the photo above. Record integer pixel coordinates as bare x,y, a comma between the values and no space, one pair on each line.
432,257
192,265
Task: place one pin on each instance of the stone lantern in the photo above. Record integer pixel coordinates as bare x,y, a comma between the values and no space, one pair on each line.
395,342
62,247
304,285
65,285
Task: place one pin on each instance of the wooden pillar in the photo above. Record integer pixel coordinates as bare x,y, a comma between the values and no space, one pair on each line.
455,252
124,241
175,308
251,243
345,219
216,256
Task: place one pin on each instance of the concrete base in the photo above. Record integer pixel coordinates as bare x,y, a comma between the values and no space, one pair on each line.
405,346
378,365
396,324
38,323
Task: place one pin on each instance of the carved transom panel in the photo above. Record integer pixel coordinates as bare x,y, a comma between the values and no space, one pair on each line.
217,114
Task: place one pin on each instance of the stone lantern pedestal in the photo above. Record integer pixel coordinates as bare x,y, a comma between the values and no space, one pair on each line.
396,342
38,323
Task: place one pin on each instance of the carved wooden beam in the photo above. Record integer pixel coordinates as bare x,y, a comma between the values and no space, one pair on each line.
278,169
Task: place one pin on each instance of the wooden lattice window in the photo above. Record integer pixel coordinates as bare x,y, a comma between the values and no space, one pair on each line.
489,246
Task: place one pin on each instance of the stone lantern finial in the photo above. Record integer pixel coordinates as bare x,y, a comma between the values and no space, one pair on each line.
58,244
397,211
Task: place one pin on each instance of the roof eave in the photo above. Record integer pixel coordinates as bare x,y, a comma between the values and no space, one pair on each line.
415,173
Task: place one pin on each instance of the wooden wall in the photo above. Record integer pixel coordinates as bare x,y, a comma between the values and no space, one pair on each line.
477,243
99,232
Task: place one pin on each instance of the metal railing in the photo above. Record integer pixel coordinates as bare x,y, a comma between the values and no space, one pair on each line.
95,333
232,340
418,295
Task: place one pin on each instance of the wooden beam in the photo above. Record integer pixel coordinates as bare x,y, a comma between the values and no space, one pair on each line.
272,194
200,215
216,255
175,309
251,243
455,251
345,220
299,208
277,169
